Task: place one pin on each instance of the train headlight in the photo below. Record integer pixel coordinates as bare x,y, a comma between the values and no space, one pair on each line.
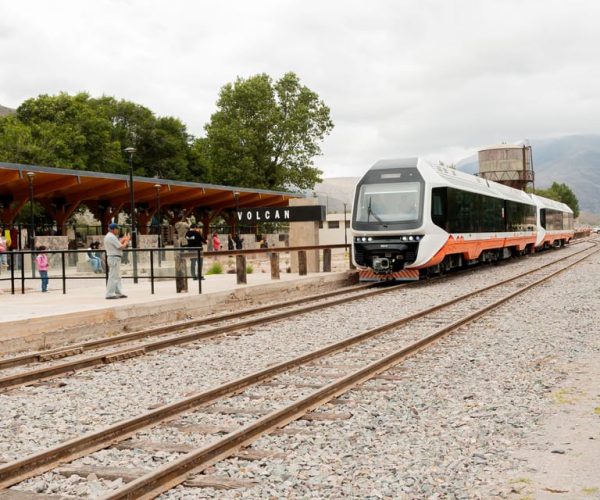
410,238
417,238
364,239
369,239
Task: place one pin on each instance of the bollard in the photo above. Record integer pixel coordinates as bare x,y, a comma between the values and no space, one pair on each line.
302,267
152,271
274,258
200,258
327,260
240,269
181,283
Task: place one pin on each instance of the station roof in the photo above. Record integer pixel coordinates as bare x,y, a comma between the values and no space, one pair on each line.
51,184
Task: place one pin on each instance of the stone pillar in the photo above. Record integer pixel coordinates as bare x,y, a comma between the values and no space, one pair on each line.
274,258
305,234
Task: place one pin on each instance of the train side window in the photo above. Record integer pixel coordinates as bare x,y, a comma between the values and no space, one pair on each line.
543,218
438,207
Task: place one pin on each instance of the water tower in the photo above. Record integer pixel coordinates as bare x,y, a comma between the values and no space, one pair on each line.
508,165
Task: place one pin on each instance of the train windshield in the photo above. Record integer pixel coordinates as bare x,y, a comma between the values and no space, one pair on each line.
389,202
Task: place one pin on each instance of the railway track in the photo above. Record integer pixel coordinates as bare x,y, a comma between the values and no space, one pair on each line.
300,385
141,342
138,343
47,364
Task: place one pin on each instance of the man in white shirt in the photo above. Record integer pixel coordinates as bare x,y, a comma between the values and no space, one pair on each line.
114,252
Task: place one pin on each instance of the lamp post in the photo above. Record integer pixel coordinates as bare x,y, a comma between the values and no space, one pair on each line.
130,151
345,230
157,187
236,196
31,228
30,232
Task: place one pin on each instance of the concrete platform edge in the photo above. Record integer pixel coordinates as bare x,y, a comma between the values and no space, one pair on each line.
57,330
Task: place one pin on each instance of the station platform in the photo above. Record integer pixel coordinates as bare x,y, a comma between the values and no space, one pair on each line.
37,320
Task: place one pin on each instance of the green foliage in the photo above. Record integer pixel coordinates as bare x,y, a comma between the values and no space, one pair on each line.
562,193
85,133
215,268
39,214
265,134
249,269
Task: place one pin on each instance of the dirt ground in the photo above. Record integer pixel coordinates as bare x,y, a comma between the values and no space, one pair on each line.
563,459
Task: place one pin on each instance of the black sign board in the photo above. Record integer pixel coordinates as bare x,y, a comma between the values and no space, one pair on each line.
281,214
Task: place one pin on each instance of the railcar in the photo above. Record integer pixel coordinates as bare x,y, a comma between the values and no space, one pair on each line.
411,219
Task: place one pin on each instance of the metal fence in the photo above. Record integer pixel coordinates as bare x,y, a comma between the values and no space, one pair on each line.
147,263
21,268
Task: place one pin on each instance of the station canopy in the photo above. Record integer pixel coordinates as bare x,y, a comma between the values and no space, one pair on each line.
60,191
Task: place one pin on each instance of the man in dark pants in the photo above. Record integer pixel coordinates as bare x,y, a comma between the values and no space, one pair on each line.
195,240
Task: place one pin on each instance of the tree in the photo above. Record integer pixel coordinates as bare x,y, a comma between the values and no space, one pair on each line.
91,133
265,134
562,193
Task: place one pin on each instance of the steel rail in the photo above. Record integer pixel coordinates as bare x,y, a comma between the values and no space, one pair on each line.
39,374
32,465
79,348
179,470
46,355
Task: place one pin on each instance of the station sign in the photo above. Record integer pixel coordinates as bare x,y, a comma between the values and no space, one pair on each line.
281,214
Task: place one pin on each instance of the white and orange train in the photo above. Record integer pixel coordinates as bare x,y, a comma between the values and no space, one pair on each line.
411,219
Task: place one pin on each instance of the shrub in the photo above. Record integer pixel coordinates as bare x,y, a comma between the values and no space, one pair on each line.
249,269
215,268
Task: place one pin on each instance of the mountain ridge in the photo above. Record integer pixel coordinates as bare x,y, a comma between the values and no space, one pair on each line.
573,160
6,111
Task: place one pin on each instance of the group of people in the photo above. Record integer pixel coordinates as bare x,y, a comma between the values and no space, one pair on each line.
114,247
195,239
8,242
94,257
234,242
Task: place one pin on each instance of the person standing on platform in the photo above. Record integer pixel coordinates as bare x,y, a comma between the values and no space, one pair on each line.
41,261
195,240
3,250
230,242
239,242
114,253
216,242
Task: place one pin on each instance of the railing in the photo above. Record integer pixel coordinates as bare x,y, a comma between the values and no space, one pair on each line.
21,264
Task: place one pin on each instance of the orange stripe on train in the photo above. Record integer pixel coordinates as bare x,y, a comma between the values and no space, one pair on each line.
404,275
471,249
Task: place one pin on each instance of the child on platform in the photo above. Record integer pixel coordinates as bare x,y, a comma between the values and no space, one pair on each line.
41,262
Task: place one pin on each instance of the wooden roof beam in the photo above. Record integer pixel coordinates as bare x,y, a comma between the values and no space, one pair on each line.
54,185
96,190
140,195
9,176
179,196
247,200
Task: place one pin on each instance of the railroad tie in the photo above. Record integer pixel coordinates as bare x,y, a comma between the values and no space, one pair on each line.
51,356
218,482
118,356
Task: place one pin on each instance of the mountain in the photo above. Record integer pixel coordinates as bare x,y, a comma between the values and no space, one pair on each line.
336,191
573,160
6,111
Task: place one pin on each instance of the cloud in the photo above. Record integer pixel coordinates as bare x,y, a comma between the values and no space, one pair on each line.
431,78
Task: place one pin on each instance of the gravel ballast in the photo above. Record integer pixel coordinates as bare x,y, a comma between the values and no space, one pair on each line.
450,428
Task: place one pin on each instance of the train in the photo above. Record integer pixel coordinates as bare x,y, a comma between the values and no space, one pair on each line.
411,219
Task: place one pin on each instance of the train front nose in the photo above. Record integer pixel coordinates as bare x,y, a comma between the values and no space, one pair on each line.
386,254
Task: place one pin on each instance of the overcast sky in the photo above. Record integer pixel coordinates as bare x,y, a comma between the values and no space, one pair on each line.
402,78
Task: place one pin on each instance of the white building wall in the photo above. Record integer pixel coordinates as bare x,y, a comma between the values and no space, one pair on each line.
331,235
